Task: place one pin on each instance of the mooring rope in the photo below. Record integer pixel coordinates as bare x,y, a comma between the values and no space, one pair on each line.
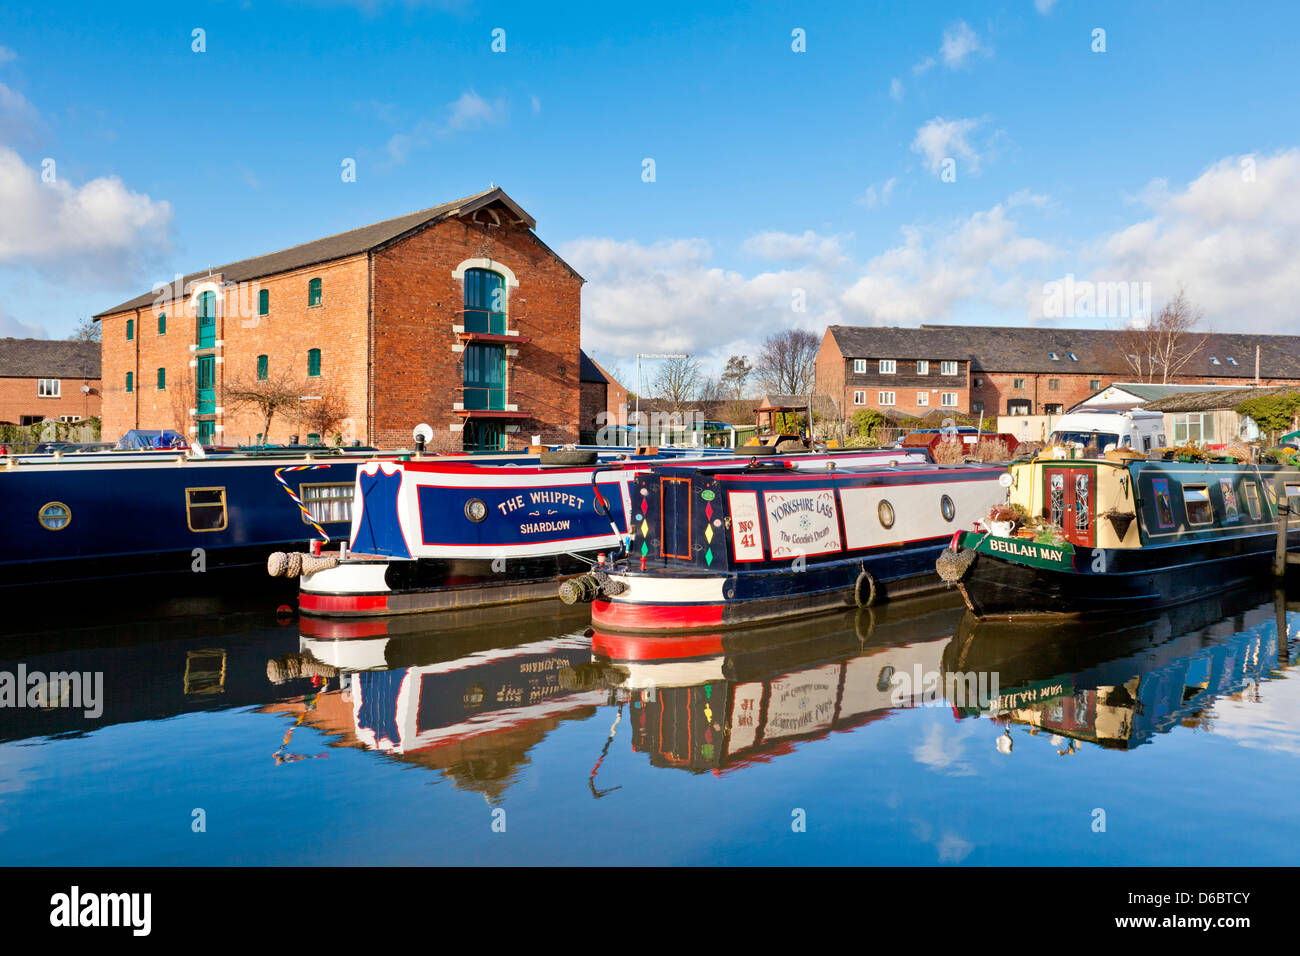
296,500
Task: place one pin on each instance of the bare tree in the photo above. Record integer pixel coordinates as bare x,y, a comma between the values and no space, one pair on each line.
1161,349
182,398
735,376
325,414
678,382
785,364
268,396
87,330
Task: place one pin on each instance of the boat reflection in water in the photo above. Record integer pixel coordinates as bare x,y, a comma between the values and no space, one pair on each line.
1120,687
719,702
470,698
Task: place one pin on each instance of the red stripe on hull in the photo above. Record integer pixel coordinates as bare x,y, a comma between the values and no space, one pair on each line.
622,647
309,603
622,615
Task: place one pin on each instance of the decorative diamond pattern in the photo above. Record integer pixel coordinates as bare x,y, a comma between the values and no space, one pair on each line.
644,549
645,528
708,533
708,510
708,556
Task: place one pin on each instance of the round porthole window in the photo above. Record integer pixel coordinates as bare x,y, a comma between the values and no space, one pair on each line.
886,512
475,510
948,508
54,516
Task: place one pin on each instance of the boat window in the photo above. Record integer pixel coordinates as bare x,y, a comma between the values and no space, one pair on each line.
1082,514
205,509
886,512
947,508
54,516
1164,506
1230,511
326,502
1252,499
1058,499
1196,499
1101,439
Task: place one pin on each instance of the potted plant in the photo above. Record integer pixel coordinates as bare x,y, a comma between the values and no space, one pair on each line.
1004,519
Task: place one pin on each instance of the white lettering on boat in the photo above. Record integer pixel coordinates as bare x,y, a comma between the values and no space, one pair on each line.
540,527
1025,550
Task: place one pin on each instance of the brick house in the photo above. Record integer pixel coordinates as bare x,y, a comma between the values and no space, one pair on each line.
457,316
1016,371
46,378
600,393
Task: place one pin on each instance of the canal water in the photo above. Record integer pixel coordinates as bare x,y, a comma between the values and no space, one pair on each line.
905,734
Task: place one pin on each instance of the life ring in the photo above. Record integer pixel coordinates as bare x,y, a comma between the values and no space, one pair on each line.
870,597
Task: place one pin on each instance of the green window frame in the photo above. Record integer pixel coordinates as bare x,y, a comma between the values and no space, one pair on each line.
314,292
130,382
485,302
262,367
313,362
264,302
207,319
162,379
313,438
162,323
130,329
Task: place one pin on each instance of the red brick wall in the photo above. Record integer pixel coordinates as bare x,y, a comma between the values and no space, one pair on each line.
998,388
829,371
337,327
419,375
18,397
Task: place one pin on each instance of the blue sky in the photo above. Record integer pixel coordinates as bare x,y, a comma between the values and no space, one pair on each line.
781,177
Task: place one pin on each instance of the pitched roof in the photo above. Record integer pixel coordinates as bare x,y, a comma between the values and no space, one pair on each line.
48,358
1214,401
1016,349
589,371
344,244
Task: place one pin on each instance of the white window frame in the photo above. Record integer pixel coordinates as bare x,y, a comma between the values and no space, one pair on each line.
888,367
859,366
885,398
922,367
947,368
43,390
948,399
860,397
923,398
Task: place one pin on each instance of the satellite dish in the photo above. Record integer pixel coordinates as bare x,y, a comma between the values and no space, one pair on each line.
422,432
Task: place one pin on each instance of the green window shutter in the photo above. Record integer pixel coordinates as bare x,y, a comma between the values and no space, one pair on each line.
162,378
313,292
313,438
129,381
130,329
261,368
264,302
162,323
313,362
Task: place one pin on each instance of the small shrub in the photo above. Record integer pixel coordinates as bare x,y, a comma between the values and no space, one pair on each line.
992,449
949,452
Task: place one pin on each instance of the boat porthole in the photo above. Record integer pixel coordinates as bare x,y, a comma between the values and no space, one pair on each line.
948,508
886,678
886,512
475,510
54,516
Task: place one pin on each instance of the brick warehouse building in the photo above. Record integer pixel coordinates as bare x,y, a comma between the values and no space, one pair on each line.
1015,371
458,316
47,378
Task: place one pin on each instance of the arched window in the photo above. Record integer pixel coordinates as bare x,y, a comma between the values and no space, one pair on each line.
162,323
130,329
313,362
264,302
162,379
207,319
485,301
262,365
130,381
313,292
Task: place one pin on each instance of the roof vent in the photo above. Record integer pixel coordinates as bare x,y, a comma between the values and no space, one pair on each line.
1073,357
1231,360
1053,356
1214,360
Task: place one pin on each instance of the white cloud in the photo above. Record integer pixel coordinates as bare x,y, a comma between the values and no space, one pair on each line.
468,111
668,295
878,195
940,139
101,229
1228,239
896,90
959,42
787,247
923,66
12,328
20,122
7,55
1044,6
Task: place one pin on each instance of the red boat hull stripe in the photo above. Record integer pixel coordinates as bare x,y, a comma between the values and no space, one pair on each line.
623,647
648,617
309,603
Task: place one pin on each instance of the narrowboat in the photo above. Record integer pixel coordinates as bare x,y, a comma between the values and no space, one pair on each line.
165,516
437,535
1119,534
717,546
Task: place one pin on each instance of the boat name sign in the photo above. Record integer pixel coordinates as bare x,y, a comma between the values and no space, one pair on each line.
1060,557
803,522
